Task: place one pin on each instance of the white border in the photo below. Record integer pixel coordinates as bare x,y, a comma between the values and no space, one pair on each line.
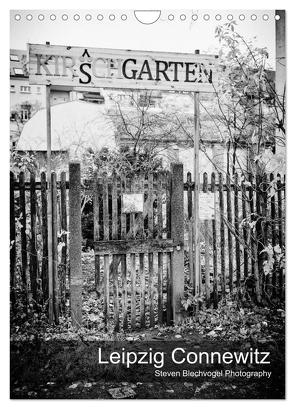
4,167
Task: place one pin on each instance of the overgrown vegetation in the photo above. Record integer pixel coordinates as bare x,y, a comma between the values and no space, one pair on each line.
248,116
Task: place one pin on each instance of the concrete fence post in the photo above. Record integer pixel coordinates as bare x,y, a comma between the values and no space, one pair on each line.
177,234
75,243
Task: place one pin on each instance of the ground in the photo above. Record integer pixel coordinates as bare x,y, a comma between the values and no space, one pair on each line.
55,362
70,369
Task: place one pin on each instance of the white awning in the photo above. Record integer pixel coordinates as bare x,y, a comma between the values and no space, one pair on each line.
75,126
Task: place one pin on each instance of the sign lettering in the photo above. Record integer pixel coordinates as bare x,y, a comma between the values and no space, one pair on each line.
92,67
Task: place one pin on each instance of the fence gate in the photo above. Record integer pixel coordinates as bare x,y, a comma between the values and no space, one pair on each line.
138,242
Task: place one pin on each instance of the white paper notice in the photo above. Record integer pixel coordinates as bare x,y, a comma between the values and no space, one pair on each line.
206,206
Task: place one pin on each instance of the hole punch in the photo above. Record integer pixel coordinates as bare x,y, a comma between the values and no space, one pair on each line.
17,17
182,17
277,17
194,17
124,17
29,17
171,17
253,17
242,17
100,17
88,17
76,17
265,17
41,17
112,17
64,17
52,17
230,17
206,17
147,16
218,17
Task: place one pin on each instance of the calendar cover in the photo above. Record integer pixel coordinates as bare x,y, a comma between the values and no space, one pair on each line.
147,204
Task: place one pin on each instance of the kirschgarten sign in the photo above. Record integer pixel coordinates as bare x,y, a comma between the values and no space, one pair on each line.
106,68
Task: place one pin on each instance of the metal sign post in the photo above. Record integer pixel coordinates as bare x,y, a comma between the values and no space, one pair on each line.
49,206
196,194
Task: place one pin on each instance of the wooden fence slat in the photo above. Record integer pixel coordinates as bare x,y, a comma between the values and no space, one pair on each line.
106,281
150,212
273,235
151,288
116,259
123,259
280,230
169,289
33,244
123,215
237,229
229,233
150,203
168,204
44,266
140,216
160,288
124,291
133,290
206,238
106,275
265,231
259,235
114,208
245,231
23,221
133,263
159,207
115,293
280,213
12,242
254,258
106,231
222,236
54,249
142,290
214,239
97,203
160,254
64,239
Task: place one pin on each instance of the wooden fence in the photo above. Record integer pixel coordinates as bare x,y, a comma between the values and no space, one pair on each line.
29,241
133,248
242,246
249,218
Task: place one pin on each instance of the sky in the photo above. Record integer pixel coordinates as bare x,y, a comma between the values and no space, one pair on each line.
179,33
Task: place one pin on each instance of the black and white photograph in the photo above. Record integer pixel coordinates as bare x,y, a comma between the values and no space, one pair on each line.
147,204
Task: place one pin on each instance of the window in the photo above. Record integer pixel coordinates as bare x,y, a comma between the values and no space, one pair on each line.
146,100
14,57
24,113
25,89
18,71
13,116
12,88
